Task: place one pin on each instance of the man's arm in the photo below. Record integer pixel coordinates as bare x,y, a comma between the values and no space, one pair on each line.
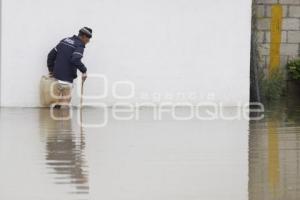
76,59
51,59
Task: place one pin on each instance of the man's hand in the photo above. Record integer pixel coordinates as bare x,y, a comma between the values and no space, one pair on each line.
50,74
84,76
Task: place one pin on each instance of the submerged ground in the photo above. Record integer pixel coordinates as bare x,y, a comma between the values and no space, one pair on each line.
148,159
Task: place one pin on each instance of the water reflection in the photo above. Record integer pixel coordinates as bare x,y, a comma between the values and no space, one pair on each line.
138,160
65,150
274,154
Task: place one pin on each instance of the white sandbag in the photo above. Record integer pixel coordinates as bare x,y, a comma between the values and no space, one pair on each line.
46,85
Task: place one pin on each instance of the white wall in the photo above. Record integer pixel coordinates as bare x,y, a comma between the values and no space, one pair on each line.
163,46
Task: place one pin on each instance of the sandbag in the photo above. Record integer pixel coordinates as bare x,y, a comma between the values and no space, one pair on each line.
46,84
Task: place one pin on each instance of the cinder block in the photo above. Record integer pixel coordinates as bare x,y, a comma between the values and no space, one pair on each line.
283,61
295,2
260,11
264,49
289,49
294,11
268,36
293,36
261,61
291,24
293,57
268,12
263,24
265,1
267,62
283,37
260,36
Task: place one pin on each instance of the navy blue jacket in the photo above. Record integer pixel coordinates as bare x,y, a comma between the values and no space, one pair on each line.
64,60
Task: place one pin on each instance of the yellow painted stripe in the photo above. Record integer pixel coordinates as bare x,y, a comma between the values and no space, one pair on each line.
273,156
276,26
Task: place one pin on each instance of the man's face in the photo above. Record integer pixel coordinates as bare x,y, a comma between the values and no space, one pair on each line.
85,39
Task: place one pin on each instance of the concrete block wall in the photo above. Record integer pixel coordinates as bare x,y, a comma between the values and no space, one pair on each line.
290,35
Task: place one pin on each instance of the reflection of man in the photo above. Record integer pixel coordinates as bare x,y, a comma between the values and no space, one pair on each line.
63,62
65,150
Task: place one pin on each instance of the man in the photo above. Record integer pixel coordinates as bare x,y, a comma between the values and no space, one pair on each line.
63,62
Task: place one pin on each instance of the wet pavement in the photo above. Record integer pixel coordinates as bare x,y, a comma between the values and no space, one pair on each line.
147,159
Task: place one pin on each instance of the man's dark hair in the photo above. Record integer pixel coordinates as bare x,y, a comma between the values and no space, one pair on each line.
86,31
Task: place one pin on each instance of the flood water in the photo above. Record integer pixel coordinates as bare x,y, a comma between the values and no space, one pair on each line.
146,159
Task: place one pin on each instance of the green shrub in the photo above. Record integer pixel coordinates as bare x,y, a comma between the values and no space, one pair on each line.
293,68
271,87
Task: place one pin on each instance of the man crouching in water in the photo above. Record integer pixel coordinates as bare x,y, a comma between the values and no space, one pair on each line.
63,62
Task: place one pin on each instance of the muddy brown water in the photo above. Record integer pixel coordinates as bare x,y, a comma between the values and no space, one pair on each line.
146,159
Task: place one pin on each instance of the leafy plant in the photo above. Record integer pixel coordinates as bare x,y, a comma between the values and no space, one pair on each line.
293,68
272,86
